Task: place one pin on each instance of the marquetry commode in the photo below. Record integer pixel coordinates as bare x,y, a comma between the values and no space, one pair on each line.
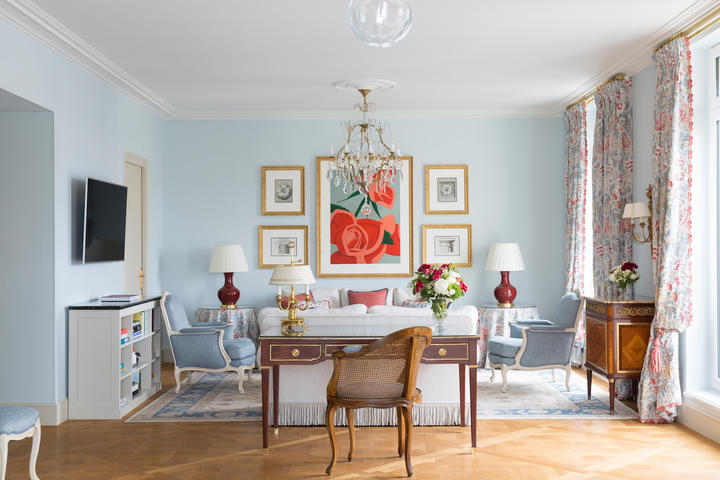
617,332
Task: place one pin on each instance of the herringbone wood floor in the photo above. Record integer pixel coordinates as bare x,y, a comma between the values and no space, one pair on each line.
507,449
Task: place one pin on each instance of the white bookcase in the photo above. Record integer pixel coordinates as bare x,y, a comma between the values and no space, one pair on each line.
97,387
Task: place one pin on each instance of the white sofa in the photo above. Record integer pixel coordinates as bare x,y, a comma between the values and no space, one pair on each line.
302,388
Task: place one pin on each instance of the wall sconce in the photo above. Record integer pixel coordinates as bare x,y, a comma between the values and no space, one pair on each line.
642,211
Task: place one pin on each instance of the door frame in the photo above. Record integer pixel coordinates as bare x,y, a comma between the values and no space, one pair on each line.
143,163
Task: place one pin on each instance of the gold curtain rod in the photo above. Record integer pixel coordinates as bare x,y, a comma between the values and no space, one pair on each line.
696,28
591,97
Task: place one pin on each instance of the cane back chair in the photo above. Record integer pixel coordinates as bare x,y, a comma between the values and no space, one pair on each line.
379,375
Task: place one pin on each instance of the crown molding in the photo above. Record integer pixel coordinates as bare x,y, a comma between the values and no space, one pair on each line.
641,57
343,114
37,23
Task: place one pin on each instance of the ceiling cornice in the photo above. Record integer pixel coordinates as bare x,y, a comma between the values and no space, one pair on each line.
33,20
641,57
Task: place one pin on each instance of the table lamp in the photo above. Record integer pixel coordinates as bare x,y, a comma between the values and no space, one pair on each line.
292,275
228,259
505,258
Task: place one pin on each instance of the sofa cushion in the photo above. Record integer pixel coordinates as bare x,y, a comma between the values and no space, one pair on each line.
402,294
332,295
415,304
300,298
368,298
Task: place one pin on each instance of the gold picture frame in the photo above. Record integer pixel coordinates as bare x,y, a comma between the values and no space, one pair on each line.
453,244
276,249
452,201
284,198
326,267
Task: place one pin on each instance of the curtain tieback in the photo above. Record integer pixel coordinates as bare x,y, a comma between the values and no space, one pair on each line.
655,364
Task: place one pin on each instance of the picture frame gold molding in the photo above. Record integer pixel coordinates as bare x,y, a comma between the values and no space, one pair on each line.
262,228
428,168
263,178
467,227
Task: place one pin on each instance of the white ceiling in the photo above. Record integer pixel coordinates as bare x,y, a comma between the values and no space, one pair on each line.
278,58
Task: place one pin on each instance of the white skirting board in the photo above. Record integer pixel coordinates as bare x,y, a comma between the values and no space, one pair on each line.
51,413
701,416
299,414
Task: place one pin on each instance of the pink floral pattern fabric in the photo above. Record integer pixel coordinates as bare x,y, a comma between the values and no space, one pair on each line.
576,203
612,182
660,392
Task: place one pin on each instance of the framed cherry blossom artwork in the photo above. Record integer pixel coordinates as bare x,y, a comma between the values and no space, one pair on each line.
364,236
446,189
283,190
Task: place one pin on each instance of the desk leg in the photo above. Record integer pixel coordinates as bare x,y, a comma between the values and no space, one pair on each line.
276,396
472,371
265,372
611,388
462,394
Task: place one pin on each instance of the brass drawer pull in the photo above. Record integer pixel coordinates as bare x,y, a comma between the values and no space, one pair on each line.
295,352
442,352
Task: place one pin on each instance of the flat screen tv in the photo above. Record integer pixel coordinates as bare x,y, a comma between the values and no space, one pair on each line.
104,229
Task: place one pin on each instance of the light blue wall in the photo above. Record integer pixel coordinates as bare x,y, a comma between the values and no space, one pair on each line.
213,188
643,93
93,123
26,256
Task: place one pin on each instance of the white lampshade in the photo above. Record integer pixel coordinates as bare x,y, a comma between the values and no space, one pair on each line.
292,275
504,257
228,258
636,210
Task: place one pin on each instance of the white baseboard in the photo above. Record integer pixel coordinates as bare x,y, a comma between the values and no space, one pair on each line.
703,416
51,413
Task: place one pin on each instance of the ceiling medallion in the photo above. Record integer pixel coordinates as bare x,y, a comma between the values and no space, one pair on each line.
365,158
380,23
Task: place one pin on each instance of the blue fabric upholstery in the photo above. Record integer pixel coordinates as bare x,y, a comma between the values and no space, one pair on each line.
352,348
547,347
201,350
497,360
15,420
239,348
504,346
534,321
568,310
176,313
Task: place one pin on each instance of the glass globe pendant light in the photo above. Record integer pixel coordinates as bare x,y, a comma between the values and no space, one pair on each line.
380,23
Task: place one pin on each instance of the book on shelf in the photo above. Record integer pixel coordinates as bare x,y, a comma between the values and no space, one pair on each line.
124,337
132,297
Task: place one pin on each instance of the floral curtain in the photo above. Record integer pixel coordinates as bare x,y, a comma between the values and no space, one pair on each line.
575,204
660,381
612,181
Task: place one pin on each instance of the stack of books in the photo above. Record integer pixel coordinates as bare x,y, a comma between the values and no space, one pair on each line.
138,324
122,368
133,297
124,337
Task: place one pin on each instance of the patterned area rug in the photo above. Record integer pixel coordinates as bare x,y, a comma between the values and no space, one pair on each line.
213,397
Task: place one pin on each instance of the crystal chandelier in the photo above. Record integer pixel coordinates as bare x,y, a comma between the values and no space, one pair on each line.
365,158
380,23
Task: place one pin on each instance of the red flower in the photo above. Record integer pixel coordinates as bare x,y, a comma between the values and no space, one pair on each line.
423,268
629,266
436,275
383,194
418,286
357,241
463,287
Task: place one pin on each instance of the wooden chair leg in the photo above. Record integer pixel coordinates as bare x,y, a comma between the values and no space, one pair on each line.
34,451
3,457
553,372
241,373
568,372
177,380
408,439
504,370
330,422
401,430
350,414
492,371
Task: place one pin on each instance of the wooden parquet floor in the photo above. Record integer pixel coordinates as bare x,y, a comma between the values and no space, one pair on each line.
507,449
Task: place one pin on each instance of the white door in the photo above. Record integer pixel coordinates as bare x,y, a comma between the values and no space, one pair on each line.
135,178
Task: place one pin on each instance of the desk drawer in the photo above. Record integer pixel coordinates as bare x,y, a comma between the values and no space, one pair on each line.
446,351
295,353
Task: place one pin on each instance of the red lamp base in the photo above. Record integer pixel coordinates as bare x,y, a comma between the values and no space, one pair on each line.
505,293
228,294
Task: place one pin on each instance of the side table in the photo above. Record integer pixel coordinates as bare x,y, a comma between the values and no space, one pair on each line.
494,320
244,318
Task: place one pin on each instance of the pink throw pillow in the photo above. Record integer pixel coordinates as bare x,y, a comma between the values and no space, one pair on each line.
369,299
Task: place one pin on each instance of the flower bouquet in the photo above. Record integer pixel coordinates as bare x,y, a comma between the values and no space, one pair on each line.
438,285
624,275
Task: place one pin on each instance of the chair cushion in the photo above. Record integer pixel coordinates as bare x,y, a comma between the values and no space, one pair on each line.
240,348
504,346
15,420
497,360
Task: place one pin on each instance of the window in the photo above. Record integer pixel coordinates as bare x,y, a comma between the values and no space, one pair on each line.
713,113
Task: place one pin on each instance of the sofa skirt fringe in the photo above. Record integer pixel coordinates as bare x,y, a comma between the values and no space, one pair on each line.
424,414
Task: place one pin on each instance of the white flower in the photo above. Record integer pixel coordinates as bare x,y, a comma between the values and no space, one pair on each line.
612,277
634,276
441,286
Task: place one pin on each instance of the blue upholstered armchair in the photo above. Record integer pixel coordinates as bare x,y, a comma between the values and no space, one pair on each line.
538,344
209,347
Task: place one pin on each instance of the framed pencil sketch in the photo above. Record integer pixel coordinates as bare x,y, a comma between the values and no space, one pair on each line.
364,236
276,245
446,189
283,190
447,244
